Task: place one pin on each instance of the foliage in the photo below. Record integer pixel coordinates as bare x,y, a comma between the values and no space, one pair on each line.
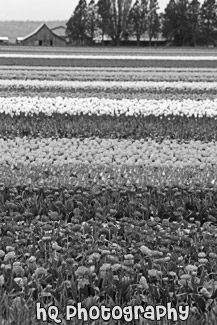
104,16
104,126
77,24
209,20
116,18
75,248
175,21
137,21
194,20
153,20
186,22
92,18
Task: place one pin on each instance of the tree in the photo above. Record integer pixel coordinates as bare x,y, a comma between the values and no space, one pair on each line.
153,21
137,19
91,23
175,21
76,27
208,15
169,21
114,16
183,21
103,16
194,20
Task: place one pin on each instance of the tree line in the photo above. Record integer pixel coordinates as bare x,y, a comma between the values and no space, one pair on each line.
183,22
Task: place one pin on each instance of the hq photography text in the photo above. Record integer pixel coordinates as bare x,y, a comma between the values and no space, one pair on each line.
128,313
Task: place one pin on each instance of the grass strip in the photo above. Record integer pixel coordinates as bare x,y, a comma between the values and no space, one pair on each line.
33,62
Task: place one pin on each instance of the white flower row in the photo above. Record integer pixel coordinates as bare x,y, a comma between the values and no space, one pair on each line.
112,57
129,107
103,85
106,152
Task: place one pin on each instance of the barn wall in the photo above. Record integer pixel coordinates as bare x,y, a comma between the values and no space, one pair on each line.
44,38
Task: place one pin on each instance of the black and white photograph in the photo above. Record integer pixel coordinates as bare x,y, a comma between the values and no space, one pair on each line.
108,162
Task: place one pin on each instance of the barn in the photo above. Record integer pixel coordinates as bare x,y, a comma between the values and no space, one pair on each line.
42,36
61,31
131,40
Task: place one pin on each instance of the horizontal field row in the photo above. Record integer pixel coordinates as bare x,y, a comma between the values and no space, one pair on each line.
111,50
107,152
124,74
114,57
181,128
105,94
93,177
133,86
107,63
79,246
112,107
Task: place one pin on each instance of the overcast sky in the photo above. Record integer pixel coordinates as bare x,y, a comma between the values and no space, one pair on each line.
42,9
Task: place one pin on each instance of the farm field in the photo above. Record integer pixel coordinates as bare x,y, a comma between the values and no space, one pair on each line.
110,50
105,57
108,187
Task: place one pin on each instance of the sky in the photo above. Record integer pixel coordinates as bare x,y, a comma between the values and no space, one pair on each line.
43,9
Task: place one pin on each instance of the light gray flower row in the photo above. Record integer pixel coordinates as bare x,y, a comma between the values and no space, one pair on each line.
93,105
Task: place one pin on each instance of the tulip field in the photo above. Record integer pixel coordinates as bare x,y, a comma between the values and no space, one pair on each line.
108,190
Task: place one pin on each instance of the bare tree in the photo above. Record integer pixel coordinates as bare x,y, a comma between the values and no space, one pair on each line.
92,17
153,21
137,24
194,20
114,17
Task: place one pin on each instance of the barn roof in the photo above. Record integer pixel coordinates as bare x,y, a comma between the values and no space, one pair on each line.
58,27
59,30
37,30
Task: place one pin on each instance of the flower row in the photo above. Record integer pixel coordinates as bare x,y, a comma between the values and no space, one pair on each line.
112,74
102,85
57,125
107,152
104,56
94,105
70,243
105,94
